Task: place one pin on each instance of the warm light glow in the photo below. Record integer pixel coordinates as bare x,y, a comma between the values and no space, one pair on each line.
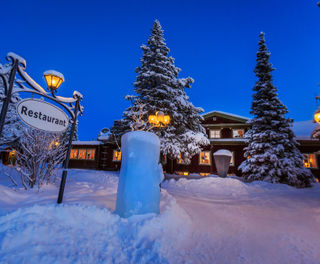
317,180
159,119
54,79
54,144
182,173
204,158
116,155
160,116
152,119
12,153
166,119
317,117
309,160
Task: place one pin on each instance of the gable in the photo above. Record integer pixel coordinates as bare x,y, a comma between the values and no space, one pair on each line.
219,117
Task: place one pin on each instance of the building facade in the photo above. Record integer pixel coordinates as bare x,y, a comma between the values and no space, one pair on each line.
224,130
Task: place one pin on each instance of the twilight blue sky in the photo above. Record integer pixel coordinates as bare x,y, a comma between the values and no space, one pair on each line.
96,45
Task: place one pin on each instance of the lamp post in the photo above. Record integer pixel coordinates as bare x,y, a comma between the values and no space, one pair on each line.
15,74
54,79
159,120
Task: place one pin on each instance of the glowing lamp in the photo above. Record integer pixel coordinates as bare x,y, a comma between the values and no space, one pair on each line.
317,116
159,119
54,144
152,119
54,79
166,119
160,116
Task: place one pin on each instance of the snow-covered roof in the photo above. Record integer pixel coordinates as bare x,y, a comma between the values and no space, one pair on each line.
223,152
104,134
228,139
104,138
225,113
86,142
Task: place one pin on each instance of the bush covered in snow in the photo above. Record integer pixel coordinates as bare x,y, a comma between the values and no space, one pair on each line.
39,153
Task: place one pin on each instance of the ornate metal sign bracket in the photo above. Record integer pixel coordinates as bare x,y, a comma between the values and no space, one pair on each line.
14,80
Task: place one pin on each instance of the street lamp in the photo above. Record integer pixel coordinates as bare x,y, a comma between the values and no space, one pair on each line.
159,119
317,116
54,144
54,79
16,74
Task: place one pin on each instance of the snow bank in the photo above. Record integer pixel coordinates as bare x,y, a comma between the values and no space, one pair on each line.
223,152
87,234
209,186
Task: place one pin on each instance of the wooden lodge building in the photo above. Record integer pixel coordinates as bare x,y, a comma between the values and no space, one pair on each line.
224,130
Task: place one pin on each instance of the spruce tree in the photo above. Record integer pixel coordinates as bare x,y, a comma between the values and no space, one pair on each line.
158,88
272,153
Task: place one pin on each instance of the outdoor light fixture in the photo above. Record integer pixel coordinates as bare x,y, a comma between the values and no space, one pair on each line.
317,116
159,119
54,79
54,144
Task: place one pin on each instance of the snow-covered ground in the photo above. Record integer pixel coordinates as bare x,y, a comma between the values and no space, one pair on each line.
209,220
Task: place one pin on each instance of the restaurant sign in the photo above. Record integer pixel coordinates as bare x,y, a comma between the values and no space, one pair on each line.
42,115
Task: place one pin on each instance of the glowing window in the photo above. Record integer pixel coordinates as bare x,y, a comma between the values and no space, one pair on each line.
182,173
237,133
180,159
215,133
204,174
116,155
82,154
309,161
74,154
90,154
232,159
205,158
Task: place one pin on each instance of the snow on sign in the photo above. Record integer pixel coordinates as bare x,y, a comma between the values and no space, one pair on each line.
42,115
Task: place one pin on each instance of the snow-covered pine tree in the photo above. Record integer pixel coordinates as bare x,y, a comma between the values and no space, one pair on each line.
12,127
272,153
158,88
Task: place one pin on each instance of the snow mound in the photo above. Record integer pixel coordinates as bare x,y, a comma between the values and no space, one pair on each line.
223,152
87,234
209,186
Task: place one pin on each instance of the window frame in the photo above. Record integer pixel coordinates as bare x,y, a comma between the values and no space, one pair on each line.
75,149
315,158
232,164
116,160
182,161
94,153
210,159
86,154
235,129
216,130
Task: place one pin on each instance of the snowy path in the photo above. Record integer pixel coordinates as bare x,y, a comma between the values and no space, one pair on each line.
211,220
275,226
